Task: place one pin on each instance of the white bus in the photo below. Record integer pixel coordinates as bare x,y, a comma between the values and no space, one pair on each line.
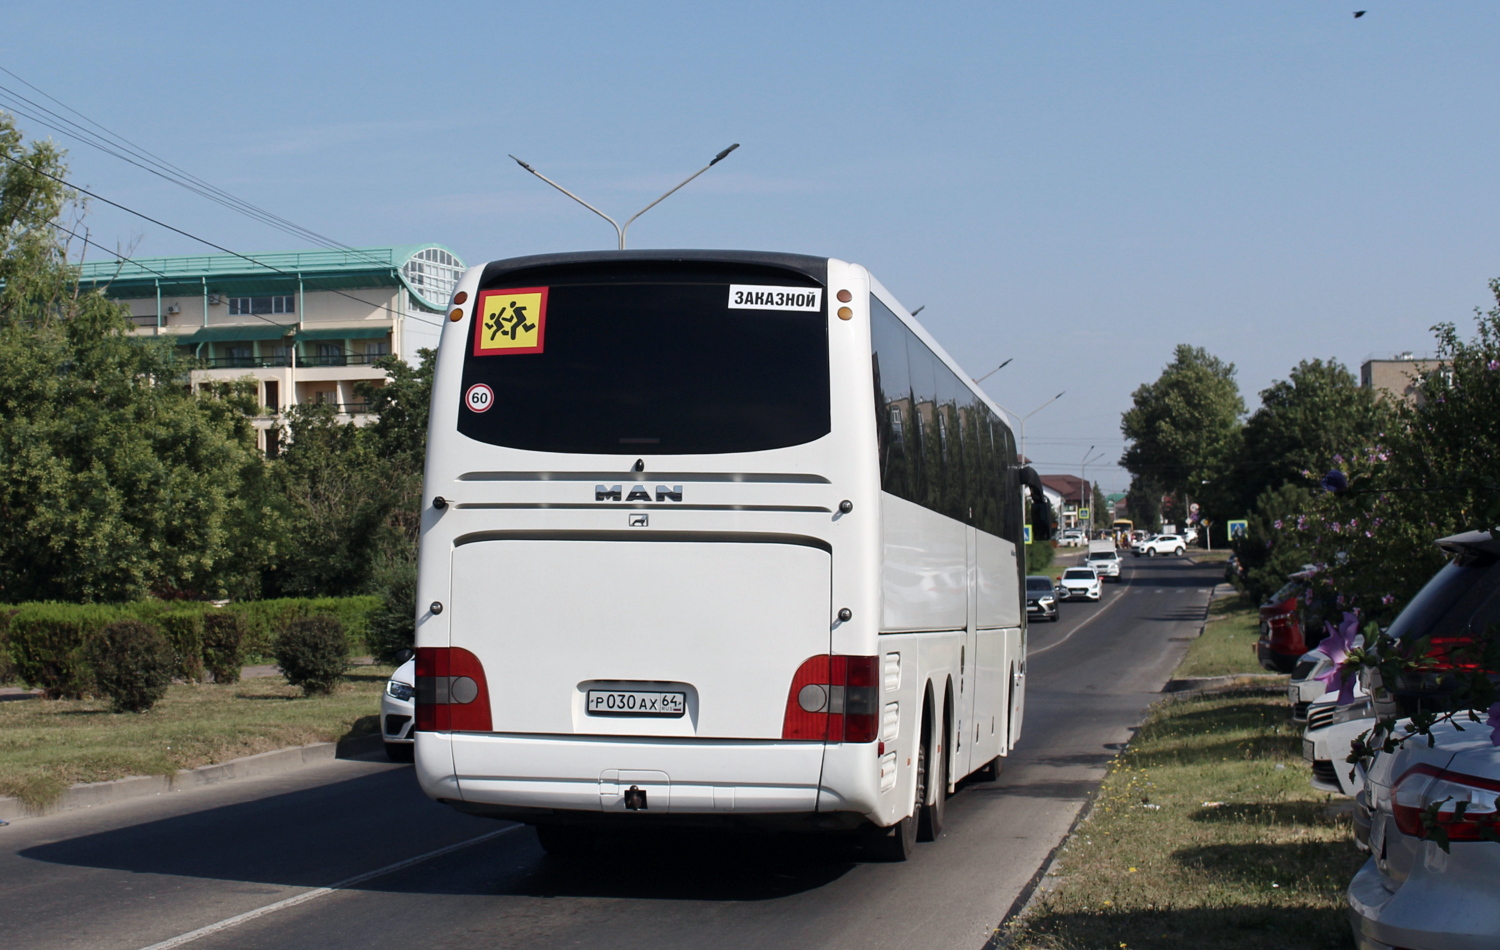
679,567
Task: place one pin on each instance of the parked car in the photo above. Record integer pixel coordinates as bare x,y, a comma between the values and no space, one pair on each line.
1331,729
1104,559
1460,602
398,711
1071,538
1161,544
1286,631
1041,599
1410,893
1081,583
1305,687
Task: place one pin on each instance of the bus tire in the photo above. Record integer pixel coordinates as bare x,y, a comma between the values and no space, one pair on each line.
565,841
899,841
989,771
933,817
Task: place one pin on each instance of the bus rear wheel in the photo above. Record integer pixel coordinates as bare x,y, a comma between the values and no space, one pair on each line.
899,841
565,841
934,816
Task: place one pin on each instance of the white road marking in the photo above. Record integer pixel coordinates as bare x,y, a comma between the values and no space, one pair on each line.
249,915
1102,610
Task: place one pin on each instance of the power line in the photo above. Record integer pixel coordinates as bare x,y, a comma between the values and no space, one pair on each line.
112,143
219,247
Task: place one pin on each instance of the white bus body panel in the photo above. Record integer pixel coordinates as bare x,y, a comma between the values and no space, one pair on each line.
727,593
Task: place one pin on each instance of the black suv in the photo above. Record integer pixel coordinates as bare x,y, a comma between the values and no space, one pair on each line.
1456,609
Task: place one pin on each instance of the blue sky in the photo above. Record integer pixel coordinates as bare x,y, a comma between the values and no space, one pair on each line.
1080,186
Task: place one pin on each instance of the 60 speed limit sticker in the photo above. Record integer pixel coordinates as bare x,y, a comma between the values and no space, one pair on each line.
479,398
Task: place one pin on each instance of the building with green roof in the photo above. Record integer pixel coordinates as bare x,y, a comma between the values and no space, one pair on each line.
305,325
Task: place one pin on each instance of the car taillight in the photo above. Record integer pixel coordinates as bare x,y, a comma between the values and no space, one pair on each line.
1417,789
452,695
1452,653
833,699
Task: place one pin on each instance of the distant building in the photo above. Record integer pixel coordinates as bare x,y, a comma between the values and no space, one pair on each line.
304,325
1069,493
1395,378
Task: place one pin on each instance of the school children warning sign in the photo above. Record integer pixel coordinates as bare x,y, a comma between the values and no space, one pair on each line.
510,322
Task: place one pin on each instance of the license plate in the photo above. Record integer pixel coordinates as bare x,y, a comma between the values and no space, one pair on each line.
616,702
1294,694
1309,750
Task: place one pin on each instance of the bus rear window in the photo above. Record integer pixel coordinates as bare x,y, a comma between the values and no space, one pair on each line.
652,368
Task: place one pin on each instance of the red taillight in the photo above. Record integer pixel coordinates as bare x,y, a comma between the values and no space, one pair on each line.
452,695
833,699
1416,790
1452,653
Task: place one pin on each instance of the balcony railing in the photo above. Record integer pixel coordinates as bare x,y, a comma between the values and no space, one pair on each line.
243,362
268,362
341,359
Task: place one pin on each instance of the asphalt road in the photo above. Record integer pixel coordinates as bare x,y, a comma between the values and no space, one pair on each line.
293,852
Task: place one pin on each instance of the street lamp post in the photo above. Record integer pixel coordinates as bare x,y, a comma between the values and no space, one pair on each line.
1030,414
620,231
1084,498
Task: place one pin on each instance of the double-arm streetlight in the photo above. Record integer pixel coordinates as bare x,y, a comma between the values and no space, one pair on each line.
620,231
1084,498
1029,414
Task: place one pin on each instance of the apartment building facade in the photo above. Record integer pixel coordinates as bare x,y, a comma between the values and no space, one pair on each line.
304,326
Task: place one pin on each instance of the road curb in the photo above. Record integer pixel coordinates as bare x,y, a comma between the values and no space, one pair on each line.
93,794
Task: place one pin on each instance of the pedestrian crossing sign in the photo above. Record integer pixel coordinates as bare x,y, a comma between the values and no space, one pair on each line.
509,322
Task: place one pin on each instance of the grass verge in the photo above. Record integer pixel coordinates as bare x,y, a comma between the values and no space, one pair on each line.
1205,834
1227,645
45,746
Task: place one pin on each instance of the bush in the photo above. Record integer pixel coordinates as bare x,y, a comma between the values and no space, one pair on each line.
133,665
224,645
393,627
183,629
313,652
50,646
1038,556
265,619
7,665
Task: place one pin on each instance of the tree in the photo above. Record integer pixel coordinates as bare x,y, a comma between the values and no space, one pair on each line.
1432,474
336,498
1317,412
116,481
1184,428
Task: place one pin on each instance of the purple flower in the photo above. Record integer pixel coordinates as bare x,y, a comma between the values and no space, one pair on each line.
1387,600
1336,646
1492,365
1335,481
1494,722
1277,523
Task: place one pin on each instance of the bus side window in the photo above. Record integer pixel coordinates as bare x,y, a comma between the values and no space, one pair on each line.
893,402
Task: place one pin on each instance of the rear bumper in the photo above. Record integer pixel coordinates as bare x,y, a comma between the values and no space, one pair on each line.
513,776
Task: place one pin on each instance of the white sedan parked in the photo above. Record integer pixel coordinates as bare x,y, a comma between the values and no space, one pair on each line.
1080,583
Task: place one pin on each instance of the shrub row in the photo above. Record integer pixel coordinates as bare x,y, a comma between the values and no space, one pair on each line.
52,646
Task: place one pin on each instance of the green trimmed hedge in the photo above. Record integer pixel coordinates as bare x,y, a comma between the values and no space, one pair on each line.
47,644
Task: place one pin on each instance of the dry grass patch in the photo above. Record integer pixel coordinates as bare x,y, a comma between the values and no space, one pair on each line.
45,746
1206,834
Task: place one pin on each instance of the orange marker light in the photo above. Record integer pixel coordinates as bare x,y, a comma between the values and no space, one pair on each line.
461,296
845,313
845,296
457,314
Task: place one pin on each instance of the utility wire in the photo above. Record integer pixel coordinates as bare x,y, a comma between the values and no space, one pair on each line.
112,143
201,240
